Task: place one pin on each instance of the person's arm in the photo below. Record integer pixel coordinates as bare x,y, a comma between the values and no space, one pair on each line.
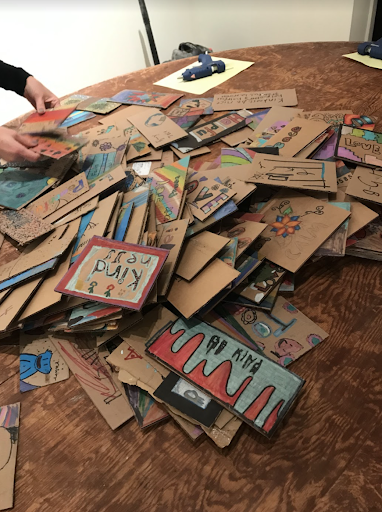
12,78
24,84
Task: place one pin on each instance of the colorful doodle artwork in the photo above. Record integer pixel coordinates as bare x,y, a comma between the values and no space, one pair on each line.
146,99
261,282
127,271
183,117
283,335
57,147
200,106
9,435
236,156
360,146
147,411
111,152
18,187
40,363
168,185
285,225
252,386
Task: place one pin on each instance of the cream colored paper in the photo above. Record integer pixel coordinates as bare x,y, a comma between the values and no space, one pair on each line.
202,85
365,59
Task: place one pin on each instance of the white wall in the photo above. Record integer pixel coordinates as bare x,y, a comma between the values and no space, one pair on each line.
69,44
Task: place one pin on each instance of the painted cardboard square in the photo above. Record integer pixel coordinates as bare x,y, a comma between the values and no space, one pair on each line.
114,272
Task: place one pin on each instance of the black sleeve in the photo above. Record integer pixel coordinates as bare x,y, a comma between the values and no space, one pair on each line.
13,79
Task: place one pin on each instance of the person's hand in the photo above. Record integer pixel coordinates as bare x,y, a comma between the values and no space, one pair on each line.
15,147
39,96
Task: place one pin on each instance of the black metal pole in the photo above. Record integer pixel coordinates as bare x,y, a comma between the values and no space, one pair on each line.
150,37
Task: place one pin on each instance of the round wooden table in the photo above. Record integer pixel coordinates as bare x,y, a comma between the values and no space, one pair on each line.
327,456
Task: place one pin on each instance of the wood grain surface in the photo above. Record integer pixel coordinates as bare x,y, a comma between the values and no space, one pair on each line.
327,454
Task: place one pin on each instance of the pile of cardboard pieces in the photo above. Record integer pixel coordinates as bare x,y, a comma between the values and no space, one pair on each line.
157,278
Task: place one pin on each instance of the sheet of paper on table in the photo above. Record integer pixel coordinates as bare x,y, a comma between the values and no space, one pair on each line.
233,67
365,59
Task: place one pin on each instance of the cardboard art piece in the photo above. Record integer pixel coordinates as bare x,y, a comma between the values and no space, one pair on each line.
95,377
123,221
45,295
157,127
105,154
207,196
188,399
236,156
147,411
146,99
139,200
46,122
40,363
273,116
239,137
294,173
76,117
23,226
183,117
9,436
111,227
167,185
199,106
360,217
366,184
59,197
297,226
245,230
362,147
250,385
98,105
57,146
190,297
138,146
209,132
261,282
73,100
110,179
359,121
199,87
78,212
93,223
170,237
335,245
331,117
197,252
296,136
283,335
90,312
18,187
228,254
114,273
258,99
198,226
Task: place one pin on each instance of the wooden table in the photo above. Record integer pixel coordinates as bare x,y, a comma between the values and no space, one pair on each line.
327,456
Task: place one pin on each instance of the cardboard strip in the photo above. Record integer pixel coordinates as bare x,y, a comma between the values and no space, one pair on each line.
257,99
9,436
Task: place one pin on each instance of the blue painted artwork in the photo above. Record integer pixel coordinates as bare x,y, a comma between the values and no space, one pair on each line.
85,220
30,364
76,117
123,222
28,274
19,187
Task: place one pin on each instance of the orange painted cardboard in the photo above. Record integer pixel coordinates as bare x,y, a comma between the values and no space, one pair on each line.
297,226
9,436
45,295
60,196
294,173
205,197
108,180
255,99
366,184
157,127
95,378
197,252
190,297
296,136
246,231
170,236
